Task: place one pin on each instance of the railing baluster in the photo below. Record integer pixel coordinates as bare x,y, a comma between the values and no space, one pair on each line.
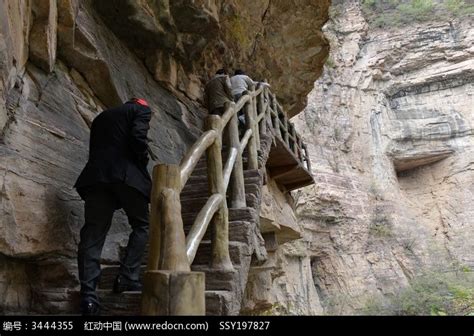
220,222
286,134
199,227
260,106
255,128
268,116
237,184
276,119
166,251
295,140
252,151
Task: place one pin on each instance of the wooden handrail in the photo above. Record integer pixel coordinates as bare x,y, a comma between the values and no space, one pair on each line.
200,224
233,108
229,111
245,140
242,101
237,191
258,91
229,165
261,115
194,155
261,110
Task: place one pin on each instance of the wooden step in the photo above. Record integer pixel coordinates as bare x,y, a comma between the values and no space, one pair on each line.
219,303
202,179
192,205
126,303
244,214
199,183
215,279
239,231
219,279
237,250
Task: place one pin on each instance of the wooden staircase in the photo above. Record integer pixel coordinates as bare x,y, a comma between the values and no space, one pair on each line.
224,289
204,224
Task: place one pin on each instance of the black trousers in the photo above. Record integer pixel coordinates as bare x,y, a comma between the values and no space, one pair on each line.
101,201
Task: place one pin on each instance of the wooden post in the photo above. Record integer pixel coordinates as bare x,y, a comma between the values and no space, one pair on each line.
237,183
260,104
276,119
254,124
295,139
252,146
167,249
173,293
220,258
286,134
170,288
268,116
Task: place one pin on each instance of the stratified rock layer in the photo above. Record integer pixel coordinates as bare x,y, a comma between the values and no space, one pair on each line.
390,128
63,61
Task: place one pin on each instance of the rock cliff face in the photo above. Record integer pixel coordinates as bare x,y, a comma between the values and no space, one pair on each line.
390,128
63,61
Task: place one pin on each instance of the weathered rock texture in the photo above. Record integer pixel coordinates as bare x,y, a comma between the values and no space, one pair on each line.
63,61
390,128
183,42
284,283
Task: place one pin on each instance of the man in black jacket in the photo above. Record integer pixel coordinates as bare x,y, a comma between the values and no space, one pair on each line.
114,177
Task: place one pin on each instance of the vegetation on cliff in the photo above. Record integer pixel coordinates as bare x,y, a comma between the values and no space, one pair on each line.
386,13
435,293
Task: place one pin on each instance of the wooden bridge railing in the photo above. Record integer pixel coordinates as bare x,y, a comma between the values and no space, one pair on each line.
170,249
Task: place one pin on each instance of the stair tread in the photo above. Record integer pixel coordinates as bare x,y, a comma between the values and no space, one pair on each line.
220,284
128,303
237,250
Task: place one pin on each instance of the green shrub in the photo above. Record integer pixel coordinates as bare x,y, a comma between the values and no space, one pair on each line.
330,62
369,3
418,10
454,6
434,293
392,13
458,7
238,30
382,21
380,230
380,226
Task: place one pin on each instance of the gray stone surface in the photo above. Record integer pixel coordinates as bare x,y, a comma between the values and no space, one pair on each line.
183,43
43,148
64,61
389,126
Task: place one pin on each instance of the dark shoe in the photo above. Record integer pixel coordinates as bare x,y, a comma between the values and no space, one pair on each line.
122,284
90,309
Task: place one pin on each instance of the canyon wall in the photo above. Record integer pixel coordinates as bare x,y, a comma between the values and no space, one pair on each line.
390,130
63,61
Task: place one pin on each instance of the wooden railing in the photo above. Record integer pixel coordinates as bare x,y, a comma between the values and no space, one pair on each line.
170,249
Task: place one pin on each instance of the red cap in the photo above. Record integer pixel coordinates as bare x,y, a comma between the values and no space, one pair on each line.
140,101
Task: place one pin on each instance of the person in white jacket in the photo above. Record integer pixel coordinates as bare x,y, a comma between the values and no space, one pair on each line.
240,83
